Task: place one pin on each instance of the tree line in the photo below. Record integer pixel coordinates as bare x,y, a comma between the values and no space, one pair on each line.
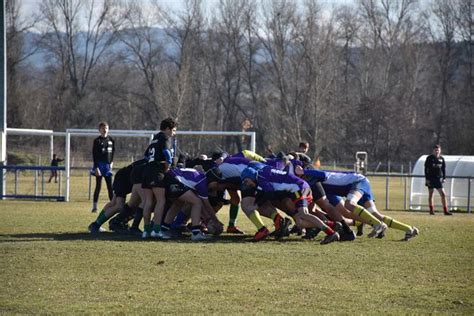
388,77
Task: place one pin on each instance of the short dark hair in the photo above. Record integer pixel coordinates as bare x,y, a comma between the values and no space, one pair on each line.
304,144
167,123
103,123
437,146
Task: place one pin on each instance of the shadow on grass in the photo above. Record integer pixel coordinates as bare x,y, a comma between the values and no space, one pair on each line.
111,236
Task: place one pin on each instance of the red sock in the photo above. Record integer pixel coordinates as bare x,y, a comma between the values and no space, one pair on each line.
330,224
431,208
445,209
329,231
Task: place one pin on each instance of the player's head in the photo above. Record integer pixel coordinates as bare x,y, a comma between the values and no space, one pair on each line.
168,126
103,128
249,177
303,147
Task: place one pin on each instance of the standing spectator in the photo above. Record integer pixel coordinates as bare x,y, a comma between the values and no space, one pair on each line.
435,175
303,147
103,151
54,173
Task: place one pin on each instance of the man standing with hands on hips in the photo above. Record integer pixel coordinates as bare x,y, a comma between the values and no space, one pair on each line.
435,175
103,151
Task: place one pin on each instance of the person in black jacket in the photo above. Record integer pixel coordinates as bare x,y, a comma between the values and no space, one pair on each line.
54,173
435,175
103,151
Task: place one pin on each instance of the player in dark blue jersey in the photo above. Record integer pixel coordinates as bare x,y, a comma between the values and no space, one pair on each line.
160,158
103,150
435,176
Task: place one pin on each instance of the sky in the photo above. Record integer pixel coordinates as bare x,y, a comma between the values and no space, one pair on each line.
30,6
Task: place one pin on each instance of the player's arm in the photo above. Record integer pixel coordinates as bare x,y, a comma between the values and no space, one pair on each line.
253,156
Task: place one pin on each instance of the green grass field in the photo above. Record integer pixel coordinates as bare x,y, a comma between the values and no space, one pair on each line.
50,265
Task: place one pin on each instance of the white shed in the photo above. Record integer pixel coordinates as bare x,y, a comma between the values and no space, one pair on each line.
457,190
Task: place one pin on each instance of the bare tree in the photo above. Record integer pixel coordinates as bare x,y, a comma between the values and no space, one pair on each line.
77,36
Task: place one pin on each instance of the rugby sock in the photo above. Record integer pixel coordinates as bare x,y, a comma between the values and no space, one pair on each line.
94,205
102,218
195,230
138,217
445,209
431,208
256,219
234,210
148,228
330,223
396,224
364,214
178,221
158,227
328,230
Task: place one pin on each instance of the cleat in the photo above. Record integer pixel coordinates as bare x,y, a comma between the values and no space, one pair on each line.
448,213
432,213
412,233
381,235
118,227
296,230
234,230
311,233
261,234
377,229
360,229
330,238
95,228
145,235
176,232
161,234
94,210
200,237
135,231
346,236
283,230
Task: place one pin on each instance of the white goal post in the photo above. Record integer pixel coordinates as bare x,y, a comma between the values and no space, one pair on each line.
113,132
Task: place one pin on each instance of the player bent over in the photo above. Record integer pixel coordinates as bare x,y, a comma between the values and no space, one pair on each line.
188,185
278,186
122,186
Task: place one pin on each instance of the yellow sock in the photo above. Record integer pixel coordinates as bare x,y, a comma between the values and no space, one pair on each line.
256,219
396,224
364,214
357,223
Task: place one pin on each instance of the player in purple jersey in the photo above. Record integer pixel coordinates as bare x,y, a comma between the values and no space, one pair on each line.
287,192
359,202
187,185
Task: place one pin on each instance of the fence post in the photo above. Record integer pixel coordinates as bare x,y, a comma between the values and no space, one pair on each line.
59,181
469,195
16,181
405,193
42,182
36,182
387,180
